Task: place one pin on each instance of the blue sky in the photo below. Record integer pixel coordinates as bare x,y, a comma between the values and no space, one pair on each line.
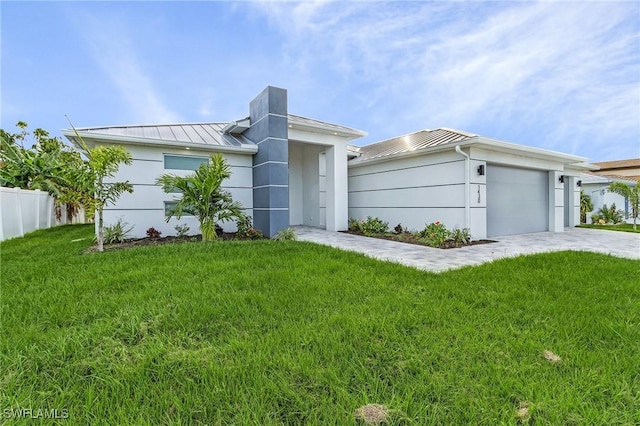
561,76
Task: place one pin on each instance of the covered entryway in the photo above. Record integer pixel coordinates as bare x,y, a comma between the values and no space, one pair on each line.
517,200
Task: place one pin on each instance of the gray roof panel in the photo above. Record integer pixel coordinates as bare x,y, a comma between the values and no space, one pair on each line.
422,139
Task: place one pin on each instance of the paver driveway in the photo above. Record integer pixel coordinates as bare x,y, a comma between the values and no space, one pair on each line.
623,244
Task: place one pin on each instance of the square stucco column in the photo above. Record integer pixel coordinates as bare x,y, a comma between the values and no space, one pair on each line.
268,115
337,191
556,202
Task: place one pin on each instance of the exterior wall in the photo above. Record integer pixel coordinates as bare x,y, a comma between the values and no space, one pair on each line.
269,130
600,196
412,191
145,207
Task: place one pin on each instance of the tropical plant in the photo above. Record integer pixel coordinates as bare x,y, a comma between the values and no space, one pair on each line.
287,234
610,214
202,195
181,230
153,233
586,206
117,232
369,227
631,194
460,236
103,163
434,234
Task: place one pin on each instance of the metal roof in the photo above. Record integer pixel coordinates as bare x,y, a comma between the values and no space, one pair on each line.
203,134
412,142
206,134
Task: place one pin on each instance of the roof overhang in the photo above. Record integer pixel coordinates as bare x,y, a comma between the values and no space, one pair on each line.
489,145
237,127
93,139
309,125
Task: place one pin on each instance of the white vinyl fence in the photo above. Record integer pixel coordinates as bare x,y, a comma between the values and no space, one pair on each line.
23,211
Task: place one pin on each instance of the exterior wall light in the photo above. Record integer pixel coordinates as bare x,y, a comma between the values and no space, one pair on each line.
481,170
561,179
579,183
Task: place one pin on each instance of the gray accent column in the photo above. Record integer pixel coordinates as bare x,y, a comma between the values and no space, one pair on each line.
269,130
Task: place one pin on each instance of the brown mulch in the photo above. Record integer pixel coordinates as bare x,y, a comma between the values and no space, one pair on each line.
145,242
409,238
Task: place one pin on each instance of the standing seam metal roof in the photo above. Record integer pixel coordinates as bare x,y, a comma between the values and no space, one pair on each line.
412,142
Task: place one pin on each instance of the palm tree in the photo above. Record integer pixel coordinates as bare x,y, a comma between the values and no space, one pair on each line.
202,195
586,205
632,194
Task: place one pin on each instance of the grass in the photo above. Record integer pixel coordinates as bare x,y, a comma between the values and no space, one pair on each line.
264,333
624,227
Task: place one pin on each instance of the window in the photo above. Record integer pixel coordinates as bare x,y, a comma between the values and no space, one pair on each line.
178,162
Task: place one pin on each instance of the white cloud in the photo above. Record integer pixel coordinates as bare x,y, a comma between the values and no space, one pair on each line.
112,48
566,71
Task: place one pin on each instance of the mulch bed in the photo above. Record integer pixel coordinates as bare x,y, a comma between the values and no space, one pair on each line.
409,238
144,242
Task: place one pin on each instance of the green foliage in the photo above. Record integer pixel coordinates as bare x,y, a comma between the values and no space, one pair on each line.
246,230
202,195
586,206
181,230
460,236
288,234
103,162
369,227
264,333
117,232
435,234
399,229
609,215
632,195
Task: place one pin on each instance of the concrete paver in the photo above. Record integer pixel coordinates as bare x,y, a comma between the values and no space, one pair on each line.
622,244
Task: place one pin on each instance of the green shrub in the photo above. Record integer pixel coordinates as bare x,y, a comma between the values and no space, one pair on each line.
288,234
182,230
117,233
611,214
246,229
434,234
354,225
461,236
373,226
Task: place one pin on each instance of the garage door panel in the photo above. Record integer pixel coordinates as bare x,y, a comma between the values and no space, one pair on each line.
517,201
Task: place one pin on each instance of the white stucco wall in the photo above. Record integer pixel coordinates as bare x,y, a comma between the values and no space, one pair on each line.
412,191
144,208
600,196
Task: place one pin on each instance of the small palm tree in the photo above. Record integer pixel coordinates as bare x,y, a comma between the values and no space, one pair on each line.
586,205
632,194
202,195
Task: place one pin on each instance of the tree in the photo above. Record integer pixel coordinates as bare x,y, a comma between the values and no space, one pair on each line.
103,163
586,205
202,195
632,195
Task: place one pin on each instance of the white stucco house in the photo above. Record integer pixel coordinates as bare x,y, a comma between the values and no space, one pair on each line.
291,170
597,187
467,181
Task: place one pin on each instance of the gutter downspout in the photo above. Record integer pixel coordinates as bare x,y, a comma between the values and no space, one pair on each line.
467,185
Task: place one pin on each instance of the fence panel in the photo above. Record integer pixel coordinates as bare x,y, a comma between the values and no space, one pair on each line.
23,211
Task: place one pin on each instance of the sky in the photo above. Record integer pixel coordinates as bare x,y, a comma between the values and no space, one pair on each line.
563,76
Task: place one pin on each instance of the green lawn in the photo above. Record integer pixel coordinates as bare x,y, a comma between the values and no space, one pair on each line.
260,332
624,227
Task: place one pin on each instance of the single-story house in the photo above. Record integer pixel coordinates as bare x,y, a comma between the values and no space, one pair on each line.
275,160
597,187
291,170
468,181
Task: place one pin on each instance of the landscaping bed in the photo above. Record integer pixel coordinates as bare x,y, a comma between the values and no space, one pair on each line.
411,238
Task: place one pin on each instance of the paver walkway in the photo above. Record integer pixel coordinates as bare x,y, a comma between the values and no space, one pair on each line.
622,244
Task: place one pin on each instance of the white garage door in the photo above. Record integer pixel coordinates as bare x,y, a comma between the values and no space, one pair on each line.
517,201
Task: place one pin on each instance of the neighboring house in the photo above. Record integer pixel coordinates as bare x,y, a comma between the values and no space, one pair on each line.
622,169
597,187
290,170
467,181
275,160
